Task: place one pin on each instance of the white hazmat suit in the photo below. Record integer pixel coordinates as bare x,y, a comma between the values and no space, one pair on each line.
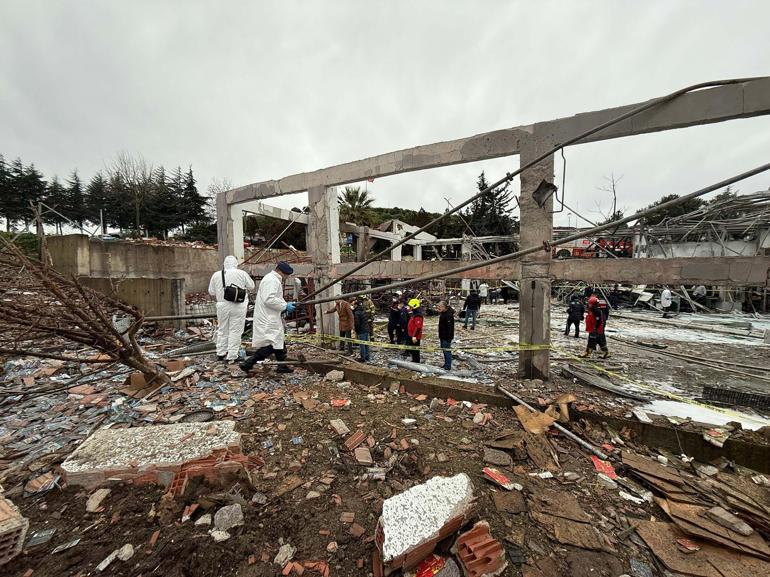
268,306
231,317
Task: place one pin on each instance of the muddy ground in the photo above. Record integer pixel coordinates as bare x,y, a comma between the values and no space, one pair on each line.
444,441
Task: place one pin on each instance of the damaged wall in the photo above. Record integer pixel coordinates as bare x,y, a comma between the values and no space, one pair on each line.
89,257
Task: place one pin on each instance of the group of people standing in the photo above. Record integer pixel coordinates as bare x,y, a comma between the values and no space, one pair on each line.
596,312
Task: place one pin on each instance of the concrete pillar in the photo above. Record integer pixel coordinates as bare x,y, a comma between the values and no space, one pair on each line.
466,249
236,225
395,254
535,286
417,251
323,246
362,243
225,242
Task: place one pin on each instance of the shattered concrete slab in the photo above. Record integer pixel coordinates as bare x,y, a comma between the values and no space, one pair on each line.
413,522
129,454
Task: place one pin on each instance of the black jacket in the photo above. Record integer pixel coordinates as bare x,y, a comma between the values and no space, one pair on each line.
394,317
446,325
360,320
472,302
403,318
576,311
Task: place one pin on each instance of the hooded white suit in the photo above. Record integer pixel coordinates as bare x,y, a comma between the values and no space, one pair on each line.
268,306
231,317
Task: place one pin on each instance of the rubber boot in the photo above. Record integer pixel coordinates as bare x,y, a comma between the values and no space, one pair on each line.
586,354
606,354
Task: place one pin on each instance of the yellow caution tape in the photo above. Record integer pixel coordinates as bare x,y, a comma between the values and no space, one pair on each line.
383,345
528,347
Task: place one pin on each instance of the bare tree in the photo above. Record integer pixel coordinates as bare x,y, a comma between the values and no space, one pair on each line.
40,308
136,175
217,186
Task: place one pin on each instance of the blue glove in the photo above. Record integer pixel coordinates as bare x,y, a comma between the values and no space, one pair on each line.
290,308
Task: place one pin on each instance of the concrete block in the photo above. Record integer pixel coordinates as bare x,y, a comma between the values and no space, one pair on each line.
129,454
413,522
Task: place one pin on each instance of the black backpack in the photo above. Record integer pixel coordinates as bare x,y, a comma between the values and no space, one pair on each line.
233,293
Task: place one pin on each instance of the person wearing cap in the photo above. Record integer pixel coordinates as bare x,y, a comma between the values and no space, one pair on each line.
345,314
414,329
446,331
231,314
394,322
595,323
267,331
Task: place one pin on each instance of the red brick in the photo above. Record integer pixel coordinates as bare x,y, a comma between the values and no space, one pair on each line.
479,553
354,440
377,568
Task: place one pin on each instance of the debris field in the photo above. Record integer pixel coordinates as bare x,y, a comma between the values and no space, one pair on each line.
318,473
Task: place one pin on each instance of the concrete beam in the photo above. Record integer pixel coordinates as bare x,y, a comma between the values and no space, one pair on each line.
701,107
735,271
263,209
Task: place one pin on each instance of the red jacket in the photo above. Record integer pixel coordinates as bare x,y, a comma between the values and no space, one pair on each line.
414,327
595,320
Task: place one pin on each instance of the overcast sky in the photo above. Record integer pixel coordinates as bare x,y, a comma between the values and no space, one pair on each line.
251,91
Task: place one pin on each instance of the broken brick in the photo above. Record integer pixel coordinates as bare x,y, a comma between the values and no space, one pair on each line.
347,517
357,530
363,456
355,440
339,427
479,553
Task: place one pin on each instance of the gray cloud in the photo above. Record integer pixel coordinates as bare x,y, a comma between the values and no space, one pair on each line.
257,90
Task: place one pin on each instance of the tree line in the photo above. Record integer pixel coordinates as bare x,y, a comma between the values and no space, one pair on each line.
129,195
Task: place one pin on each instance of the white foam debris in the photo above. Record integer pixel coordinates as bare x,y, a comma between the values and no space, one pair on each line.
704,414
418,514
152,445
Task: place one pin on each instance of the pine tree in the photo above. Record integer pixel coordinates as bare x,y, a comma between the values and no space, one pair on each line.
194,204
55,198
119,205
33,189
6,194
76,207
13,205
490,215
96,201
162,208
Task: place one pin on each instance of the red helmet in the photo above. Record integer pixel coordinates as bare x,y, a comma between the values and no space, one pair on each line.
593,300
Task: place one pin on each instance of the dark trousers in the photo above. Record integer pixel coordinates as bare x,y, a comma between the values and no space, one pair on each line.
394,334
447,345
570,322
597,339
364,349
346,344
263,353
415,350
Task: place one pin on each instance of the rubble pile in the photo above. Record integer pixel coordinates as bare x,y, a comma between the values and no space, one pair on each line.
317,474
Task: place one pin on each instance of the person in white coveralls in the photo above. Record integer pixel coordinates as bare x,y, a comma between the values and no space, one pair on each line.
231,314
267,331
